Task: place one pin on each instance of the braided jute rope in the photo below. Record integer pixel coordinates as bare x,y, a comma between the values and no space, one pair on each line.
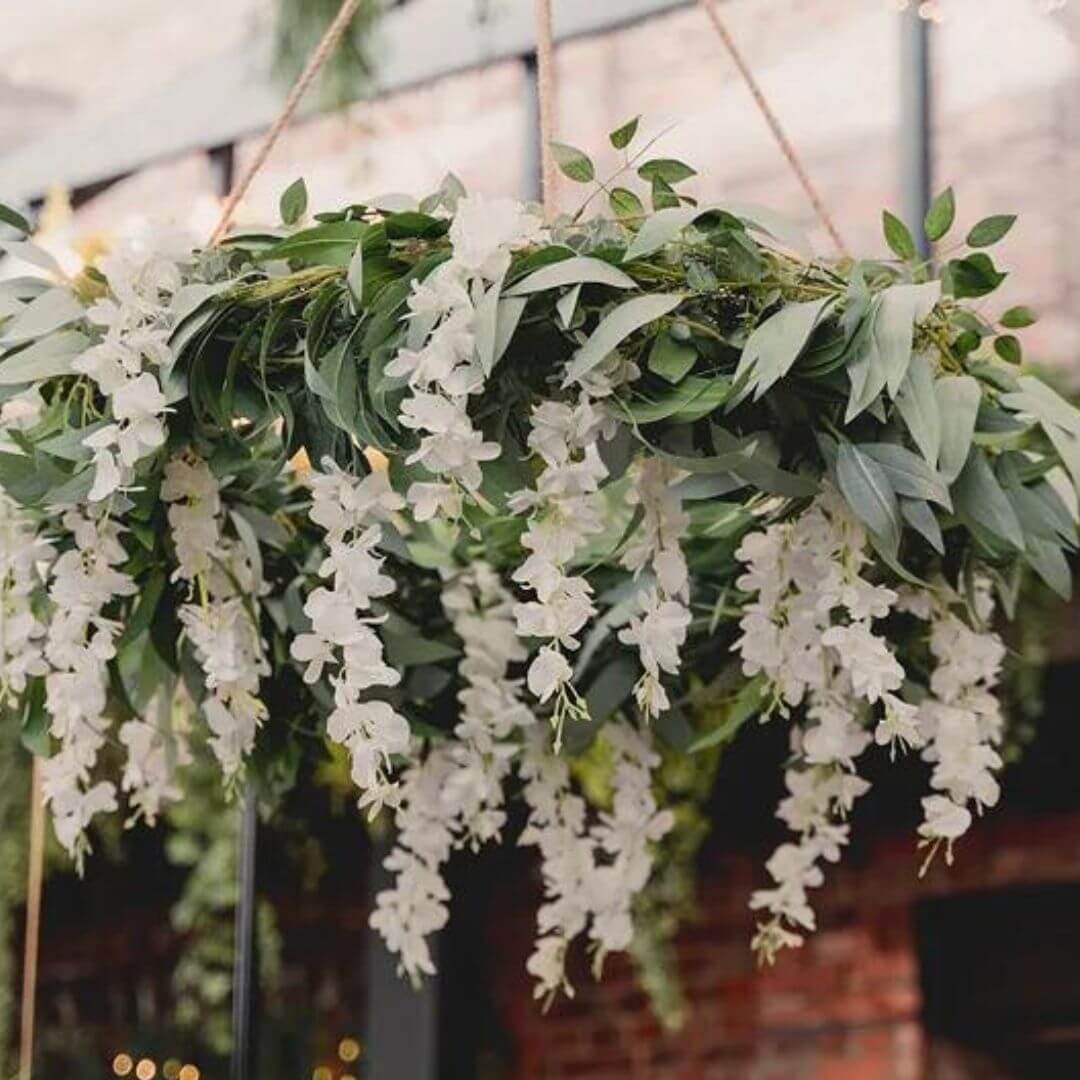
545,86
781,138
292,102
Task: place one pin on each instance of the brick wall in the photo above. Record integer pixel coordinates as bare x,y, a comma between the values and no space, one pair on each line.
847,1006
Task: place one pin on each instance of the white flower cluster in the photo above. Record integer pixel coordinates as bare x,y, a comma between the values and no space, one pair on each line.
440,358
351,510
154,752
810,634
961,720
804,571
659,631
455,795
564,513
126,363
221,620
21,632
591,872
79,643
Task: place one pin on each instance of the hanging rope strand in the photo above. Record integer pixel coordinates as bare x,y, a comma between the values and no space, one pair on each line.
292,102
545,86
34,872
773,122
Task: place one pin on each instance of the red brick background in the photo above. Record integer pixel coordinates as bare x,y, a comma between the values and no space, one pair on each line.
844,1007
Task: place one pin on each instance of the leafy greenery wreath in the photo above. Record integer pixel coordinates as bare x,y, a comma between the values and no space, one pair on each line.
583,492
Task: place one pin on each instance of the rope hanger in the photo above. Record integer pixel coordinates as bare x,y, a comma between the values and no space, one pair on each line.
545,68
789,152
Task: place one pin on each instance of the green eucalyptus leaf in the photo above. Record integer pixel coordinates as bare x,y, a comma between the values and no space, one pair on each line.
625,205
940,216
1007,346
330,244
624,134
671,359
664,196
617,325
1049,562
572,162
883,360
354,276
1016,318
576,270
918,514
13,218
692,399
867,490
507,318
990,230
566,306
898,236
668,170
294,201
660,229
981,500
958,399
908,473
918,406
974,276
46,358
774,346
484,326
50,311
29,252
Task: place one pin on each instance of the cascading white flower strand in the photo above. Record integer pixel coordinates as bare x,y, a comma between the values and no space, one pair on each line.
79,643
156,749
21,632
128,363
455,795
809,633
351,511
440,358
591,872
659,631
221,620
961,720
563,514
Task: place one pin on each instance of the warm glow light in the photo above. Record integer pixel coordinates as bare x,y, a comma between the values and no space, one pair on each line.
122,1064
146,1069
171,1069
188,1072
348,1050
322,1073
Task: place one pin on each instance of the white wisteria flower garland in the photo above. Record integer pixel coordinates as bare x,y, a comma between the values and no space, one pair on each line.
587,495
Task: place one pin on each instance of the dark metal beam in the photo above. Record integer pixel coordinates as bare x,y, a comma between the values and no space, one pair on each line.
244,989
222,167
532,164
916,131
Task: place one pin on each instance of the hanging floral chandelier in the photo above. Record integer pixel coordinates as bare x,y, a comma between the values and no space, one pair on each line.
590,488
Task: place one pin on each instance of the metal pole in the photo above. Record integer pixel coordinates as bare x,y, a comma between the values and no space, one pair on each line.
243,989
916,160
533,162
